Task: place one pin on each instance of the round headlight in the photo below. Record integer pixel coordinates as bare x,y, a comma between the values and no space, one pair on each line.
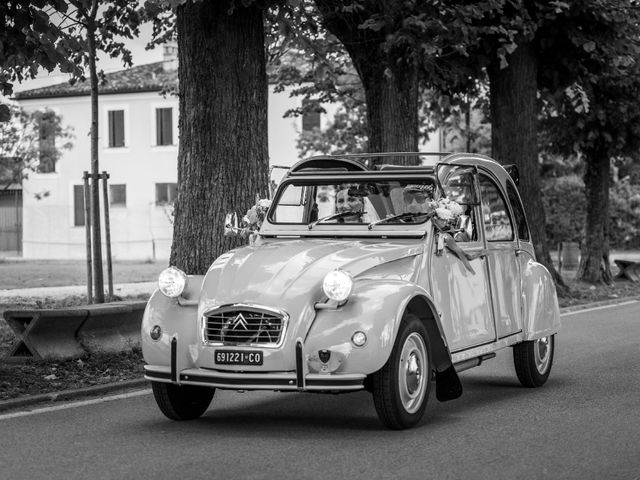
172,281
337,285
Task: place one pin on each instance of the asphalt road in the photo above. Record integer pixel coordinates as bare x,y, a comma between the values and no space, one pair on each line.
583,424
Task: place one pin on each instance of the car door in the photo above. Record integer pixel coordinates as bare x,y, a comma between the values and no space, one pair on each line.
502,262
461,292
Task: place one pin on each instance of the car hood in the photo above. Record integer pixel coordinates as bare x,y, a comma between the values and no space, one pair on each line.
288,274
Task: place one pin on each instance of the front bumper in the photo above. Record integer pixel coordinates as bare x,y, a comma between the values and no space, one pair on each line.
286,381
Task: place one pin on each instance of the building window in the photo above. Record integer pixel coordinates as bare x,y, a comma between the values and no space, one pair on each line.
116,128
47,142
78,205
164,126
165,193
118,195
311,117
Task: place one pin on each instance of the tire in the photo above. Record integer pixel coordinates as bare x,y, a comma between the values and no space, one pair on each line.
401,387
182,402
533,360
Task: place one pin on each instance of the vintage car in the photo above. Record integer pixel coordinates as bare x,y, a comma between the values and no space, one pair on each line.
364,275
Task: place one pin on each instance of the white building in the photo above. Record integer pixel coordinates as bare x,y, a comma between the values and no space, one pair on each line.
138,147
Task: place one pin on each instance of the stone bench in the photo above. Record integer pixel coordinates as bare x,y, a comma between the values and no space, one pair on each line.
71,332
628,269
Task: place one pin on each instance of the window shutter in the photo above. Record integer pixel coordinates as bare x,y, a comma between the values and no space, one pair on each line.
116,128
78,205
118,195
161,193
164,126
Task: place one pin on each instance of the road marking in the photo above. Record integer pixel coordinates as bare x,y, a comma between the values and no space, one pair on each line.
80,403
601,307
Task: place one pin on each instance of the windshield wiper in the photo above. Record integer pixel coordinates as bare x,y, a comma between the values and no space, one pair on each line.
335,216
399,216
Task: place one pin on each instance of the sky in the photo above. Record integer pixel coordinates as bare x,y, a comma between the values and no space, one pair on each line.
140,57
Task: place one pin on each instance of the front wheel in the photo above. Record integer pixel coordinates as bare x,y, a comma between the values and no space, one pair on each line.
533,360
182,402
401,387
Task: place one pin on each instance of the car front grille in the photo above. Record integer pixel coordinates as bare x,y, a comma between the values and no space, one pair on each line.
244,326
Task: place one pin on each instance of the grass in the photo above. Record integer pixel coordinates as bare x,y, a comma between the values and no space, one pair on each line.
31,378
54,273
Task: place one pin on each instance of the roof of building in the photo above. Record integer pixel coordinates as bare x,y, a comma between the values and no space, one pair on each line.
150,77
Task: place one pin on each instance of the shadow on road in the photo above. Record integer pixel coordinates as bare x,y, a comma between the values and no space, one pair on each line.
293,414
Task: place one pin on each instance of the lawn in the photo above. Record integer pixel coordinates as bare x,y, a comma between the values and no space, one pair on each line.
55,273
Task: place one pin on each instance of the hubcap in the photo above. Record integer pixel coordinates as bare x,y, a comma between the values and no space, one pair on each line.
413,373
542,353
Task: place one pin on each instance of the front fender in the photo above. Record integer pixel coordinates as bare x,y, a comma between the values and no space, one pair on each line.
540,301
177,317
376,307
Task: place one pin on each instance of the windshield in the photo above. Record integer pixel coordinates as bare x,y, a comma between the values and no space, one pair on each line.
382,201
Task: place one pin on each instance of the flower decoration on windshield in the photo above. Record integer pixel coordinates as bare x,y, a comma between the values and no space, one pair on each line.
250,223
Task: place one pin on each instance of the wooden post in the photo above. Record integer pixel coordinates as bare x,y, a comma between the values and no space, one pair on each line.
559,258
107,231
87,226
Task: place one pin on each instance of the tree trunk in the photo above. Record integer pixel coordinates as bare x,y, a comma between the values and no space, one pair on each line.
223,151
390,84
392,103
98,279
514,116
594,262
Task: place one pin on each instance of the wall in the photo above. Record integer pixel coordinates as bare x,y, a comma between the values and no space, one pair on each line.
142,230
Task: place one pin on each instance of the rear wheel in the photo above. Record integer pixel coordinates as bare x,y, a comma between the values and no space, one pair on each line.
533,360
401,388
182,402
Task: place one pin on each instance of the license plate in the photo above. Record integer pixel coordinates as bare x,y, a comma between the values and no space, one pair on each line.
238,357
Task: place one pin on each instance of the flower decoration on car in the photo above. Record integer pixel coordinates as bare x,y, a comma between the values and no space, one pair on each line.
445,213
445,217
250,223
256,214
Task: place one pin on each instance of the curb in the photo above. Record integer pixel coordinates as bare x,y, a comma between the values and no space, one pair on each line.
141,383
66,395
601,303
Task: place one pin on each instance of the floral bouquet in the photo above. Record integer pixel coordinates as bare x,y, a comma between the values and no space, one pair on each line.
251,222
256,214
445,213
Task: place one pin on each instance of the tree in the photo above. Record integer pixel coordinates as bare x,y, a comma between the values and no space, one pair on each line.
30,39
605,128
30,142
223,151
389,76
346,133
98,26
68,34
552,44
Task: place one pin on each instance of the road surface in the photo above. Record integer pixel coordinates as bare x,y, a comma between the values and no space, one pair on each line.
583,424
